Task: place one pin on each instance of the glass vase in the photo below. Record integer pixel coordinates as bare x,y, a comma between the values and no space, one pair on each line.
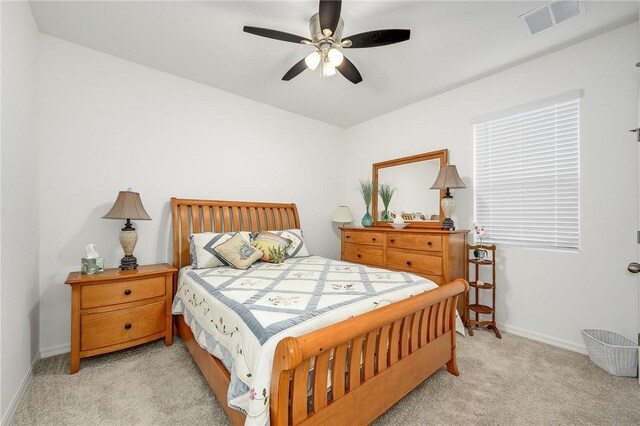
385,215
367,220
480,254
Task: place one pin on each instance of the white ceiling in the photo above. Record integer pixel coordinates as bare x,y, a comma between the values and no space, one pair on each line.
451,43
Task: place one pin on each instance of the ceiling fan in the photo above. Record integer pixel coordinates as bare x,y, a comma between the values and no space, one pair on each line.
326,37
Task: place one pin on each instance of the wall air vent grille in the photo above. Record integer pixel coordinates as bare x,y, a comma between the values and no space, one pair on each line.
552,14
563,10
538,20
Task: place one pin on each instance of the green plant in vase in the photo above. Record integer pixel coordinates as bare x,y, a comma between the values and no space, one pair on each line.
386,191
366,190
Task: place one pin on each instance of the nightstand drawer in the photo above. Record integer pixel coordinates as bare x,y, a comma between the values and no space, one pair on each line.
415,241
121,292
363,254
111,328
359,237
414,262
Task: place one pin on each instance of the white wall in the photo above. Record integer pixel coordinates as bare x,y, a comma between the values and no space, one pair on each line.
107,124
19,316
544,294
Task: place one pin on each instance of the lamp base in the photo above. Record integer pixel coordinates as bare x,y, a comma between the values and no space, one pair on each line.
448,224
128,262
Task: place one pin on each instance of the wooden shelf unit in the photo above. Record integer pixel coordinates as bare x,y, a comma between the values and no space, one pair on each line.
477,308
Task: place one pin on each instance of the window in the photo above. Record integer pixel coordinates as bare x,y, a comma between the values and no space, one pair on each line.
527,174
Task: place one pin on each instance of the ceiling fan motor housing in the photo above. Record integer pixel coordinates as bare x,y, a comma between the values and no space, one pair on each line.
316,32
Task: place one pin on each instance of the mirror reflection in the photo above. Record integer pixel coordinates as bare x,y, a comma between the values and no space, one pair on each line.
412,199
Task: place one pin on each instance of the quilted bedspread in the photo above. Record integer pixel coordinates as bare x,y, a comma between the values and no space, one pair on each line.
239,316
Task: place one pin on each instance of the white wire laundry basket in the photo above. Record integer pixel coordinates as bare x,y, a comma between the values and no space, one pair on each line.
612,352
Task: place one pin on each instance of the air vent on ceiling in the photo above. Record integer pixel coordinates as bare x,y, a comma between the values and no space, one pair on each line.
552,14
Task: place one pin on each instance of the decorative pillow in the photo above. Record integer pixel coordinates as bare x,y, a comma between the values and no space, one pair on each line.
201,247
237,252
273,246
297,248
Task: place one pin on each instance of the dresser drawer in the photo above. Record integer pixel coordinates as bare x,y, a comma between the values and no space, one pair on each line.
369,238
415,241
435,278
414,262
111,328
123,291
363,254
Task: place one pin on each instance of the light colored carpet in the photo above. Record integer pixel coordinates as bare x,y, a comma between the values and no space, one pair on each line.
506,382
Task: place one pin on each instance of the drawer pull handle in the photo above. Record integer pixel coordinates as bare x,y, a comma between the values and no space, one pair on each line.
127,326
127,292
429,243
408,263
359,255
392,240
373,239
348,236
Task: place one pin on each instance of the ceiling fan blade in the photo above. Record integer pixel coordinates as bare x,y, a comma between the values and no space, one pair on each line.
295,70
349,71
377,38
329,12
277,35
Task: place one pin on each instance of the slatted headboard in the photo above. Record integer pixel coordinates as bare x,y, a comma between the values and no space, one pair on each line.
193,216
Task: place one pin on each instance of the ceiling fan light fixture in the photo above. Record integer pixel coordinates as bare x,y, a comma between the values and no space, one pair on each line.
312,60
335,57
328,69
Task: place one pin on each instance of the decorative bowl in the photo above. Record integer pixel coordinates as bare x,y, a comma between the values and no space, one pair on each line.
399,225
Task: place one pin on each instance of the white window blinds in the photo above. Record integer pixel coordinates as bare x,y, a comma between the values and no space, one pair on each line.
527,174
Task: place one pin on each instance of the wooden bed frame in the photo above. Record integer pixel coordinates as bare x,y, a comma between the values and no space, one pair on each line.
378,357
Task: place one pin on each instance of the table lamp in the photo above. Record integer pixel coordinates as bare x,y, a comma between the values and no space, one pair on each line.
448,178
128,206
342,215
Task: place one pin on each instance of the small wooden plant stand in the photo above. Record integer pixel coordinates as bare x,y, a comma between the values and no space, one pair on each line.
476,286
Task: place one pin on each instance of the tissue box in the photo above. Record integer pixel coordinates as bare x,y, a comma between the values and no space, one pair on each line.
92,266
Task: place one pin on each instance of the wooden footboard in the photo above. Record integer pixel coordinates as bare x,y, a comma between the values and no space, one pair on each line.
372,360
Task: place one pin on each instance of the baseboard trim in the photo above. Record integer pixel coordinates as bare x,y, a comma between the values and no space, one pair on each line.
543,338
55,350
8,416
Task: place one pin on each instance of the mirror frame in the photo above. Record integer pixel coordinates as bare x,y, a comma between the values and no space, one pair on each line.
442,155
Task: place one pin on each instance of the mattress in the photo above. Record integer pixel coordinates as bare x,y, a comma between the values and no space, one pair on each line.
239,316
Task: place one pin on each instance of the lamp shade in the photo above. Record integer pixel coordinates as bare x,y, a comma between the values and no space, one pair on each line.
342,215
448,177
127,206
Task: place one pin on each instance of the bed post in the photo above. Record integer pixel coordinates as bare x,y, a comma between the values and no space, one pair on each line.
288,356
452,364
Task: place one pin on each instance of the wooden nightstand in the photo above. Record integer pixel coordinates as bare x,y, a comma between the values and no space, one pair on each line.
118,309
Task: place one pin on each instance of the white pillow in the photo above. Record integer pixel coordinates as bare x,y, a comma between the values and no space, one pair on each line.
297,248
201,248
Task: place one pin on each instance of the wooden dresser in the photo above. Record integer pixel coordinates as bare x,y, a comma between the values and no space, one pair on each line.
118,309
438,255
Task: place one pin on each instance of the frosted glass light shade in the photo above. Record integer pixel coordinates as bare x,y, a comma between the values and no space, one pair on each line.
342,215
328,69
312,60
335,57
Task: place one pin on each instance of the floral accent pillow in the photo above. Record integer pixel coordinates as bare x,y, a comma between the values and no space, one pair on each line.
273,246
297,248
201,248
237,252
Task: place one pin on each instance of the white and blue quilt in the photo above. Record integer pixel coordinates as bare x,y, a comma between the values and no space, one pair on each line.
239,316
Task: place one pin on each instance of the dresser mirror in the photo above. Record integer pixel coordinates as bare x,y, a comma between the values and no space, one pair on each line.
413,201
